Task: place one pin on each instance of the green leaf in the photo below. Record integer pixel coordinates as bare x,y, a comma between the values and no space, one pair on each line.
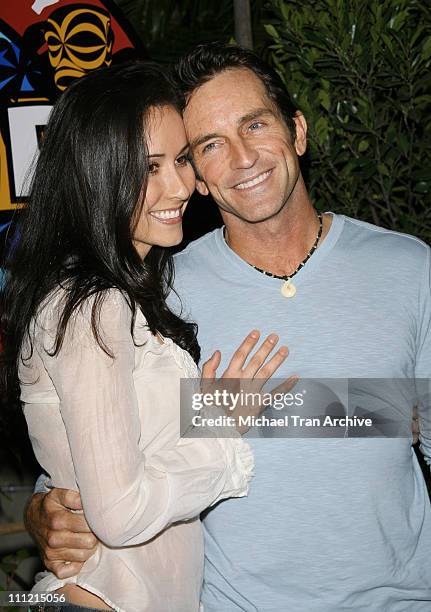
363,146
422,187
403,142
398,20
272,32
426,48
383,169
324,100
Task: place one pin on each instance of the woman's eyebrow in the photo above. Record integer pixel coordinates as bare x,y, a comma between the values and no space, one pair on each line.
185,148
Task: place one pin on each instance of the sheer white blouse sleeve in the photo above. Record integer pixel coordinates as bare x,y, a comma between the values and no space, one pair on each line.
127,496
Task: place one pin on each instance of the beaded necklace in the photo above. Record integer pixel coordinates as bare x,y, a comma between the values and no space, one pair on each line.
288,289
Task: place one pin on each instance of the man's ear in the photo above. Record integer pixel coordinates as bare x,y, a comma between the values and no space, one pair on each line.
301,133
201,187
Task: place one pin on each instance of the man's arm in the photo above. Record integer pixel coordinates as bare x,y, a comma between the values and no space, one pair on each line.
423,361
63,536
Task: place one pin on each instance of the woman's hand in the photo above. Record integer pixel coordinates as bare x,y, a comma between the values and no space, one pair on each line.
248,378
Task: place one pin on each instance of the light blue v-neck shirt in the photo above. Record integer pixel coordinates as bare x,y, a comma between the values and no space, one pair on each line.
330,525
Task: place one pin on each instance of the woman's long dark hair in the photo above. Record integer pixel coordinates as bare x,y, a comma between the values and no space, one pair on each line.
86,194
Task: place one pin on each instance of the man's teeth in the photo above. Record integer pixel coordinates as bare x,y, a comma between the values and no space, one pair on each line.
167,214
254,181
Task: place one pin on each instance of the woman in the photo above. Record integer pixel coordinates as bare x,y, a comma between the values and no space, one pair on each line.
100,355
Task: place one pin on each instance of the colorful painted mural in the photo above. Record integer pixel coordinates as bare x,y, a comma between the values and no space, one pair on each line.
44,46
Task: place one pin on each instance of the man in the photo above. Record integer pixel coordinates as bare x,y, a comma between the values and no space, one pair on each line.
330,525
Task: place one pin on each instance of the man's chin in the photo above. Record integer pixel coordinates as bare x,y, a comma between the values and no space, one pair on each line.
252,217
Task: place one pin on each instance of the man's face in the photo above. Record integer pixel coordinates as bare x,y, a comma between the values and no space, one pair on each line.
242,149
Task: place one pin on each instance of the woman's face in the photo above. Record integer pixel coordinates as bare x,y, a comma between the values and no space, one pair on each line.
171,182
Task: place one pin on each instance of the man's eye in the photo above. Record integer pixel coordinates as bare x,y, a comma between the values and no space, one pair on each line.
209,147
256,125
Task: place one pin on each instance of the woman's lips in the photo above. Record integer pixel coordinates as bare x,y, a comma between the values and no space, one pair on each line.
168,215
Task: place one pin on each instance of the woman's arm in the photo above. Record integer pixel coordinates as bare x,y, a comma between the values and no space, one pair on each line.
128,498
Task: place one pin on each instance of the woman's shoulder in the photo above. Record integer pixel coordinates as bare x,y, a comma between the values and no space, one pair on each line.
107,312
111,303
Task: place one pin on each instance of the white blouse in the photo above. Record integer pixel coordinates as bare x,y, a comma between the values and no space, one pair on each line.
109,427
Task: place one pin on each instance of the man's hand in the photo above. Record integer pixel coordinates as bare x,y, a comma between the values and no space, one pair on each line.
63,537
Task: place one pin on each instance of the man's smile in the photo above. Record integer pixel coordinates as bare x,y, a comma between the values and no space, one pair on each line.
257,180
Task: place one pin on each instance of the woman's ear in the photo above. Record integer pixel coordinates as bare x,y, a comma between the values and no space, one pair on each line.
201,187
301,133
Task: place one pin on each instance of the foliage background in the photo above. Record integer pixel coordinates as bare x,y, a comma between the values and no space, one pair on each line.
360,72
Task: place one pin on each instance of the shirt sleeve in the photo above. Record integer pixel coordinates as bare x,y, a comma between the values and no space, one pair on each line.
41,483
423,360
127,497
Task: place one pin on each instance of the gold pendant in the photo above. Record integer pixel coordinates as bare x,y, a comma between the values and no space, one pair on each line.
288,289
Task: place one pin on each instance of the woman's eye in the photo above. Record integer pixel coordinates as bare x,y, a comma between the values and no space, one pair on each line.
152,168
183,160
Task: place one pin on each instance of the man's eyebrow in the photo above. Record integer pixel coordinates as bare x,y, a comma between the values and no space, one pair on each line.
201,139
259,112
185,148
248,117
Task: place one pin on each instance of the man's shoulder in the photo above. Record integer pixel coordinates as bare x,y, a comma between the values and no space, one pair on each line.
192,268
383,243
197,251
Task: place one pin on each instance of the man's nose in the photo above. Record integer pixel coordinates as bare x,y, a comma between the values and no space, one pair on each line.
243,154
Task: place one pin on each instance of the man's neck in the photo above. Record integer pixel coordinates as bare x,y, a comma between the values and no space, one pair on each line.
279,244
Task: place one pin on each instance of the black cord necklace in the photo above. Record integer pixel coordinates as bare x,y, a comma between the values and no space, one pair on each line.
288,289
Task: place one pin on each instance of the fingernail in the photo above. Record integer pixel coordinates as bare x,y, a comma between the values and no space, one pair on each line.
273,338
283,350
254,333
